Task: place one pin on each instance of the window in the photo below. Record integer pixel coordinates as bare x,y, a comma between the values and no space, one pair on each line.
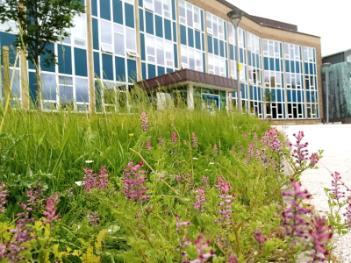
129,15
117,11
119,40
106,36
64,59
150,49
79,31
158,24
132,71
65,90
167,5
182,12
107,67
149,18
130,39
80,61
82,93
105,9
149,4
120,69
158,7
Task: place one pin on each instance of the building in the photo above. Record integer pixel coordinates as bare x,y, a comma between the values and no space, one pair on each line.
154,41
336,73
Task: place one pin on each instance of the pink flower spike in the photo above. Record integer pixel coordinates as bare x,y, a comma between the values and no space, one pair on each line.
50,208
144,120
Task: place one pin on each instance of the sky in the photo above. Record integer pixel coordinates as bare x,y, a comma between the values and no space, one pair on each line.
331,20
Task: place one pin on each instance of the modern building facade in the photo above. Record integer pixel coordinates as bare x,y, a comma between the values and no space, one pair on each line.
336,73
277,67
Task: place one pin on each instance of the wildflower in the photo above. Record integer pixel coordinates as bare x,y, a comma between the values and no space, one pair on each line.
144,120
259,237
271,139
2,251
300,151
148,144
174,137
294,217
89,161
314,159
347,213
232,259
203,249
200,199
320,234
3,197
225,204
181,224
134,182
194,140
50,208
93,218
95,181
337,192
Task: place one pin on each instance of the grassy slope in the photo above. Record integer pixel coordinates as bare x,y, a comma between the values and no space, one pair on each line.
51,150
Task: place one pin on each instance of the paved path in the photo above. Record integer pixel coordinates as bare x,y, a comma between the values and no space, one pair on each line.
335,141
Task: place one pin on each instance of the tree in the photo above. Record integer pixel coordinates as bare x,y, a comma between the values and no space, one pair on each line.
40,22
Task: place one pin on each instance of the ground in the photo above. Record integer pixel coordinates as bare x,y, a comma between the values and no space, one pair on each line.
335,141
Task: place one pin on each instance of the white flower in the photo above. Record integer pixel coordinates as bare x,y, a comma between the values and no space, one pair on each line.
89,161
194,158
211,163
79,183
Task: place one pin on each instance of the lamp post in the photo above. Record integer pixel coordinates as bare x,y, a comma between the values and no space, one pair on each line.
235,16
326,66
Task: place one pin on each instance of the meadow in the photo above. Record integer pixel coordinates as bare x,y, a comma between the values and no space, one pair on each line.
152,186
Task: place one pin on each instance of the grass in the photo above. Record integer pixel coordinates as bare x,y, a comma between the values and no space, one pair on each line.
50,150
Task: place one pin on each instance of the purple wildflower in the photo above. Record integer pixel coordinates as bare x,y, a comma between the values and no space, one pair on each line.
294,216
300,151
271,139
144,120
174,137
134,182
200,199
95,181
203,249
50,208
194,140
2,251
337,185
347,213
320,234
225,204
148,144
3,197
259,237
233,259
314,159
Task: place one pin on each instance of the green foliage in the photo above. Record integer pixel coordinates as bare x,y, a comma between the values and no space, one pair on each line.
51,149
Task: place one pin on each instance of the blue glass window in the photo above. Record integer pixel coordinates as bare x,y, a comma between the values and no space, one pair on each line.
132,70
292,66
190,37
149,18
287,66
297,67
117,12
306,68
158,23
277,64
97,64
95,34
80,61
231,52
183,34
64,59
141,20
197,40
142,46
209,44
266,63
32,86
129,12
289,96
174,32
271,63
311,68
241,55
94,7
173,10
7,39
168,29
161,71
82,93
202,21
120,69
221,48
175,55
141,3
105,9
215,46
151,71
143,69
107,67
47,62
